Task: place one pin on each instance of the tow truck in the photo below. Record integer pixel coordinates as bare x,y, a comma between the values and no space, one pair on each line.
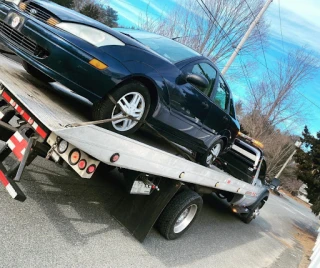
165,187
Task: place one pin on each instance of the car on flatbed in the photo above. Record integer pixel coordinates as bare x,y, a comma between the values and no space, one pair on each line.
125,72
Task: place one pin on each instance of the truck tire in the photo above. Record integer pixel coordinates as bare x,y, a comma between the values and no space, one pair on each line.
6,112
179,214
36,73
254,212
105,108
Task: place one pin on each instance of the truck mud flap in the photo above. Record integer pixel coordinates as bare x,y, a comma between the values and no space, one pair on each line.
139,213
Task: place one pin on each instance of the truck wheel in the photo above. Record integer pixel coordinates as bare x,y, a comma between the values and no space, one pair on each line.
36,73
179,214
211,155
134,98
6,112
248,217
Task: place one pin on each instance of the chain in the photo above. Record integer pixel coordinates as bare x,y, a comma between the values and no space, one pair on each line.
50,152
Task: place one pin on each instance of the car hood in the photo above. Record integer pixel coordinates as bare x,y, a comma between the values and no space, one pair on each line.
69,15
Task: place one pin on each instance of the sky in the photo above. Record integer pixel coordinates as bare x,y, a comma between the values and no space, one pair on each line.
300,25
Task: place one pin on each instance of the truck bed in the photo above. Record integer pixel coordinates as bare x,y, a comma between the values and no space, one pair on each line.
56,106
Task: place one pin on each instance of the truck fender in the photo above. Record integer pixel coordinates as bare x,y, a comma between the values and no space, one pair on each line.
263,196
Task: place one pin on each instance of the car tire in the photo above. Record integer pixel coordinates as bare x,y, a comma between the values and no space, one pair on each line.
36,73
138,100
211,155
179,214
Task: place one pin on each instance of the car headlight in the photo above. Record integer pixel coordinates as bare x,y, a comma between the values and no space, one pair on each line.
17,2
93,36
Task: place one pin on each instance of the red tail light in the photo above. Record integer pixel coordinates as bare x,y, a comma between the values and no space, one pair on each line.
91,169
82,164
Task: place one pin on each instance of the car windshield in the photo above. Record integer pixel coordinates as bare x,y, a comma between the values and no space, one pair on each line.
171,50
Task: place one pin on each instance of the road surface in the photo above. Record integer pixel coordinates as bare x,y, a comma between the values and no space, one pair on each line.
65,222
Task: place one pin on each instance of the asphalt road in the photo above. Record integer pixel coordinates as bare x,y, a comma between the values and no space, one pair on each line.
66,222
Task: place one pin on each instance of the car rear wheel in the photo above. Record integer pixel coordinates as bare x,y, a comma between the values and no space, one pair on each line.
36,73
211,155
134,99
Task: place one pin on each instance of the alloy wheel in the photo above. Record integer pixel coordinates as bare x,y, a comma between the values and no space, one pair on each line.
133,104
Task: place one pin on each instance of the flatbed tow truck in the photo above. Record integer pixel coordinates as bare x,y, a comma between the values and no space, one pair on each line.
165,189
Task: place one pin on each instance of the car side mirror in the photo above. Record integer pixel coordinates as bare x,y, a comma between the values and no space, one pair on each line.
197,80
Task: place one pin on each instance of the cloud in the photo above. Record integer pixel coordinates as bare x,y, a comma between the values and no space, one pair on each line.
300,23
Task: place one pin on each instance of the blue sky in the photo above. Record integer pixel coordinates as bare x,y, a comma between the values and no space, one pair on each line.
300,27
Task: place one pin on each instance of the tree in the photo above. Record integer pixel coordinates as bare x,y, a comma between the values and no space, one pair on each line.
98,11
213,32
65,3
308,160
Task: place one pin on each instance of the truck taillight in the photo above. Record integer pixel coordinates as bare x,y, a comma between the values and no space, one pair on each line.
91,169
74,157
82,164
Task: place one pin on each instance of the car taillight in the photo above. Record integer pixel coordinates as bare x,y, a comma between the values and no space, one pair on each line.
74,157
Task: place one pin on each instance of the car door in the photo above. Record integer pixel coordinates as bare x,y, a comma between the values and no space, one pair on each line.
218,118
191,104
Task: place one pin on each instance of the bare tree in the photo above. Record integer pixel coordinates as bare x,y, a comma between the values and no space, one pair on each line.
275,100
275,103
213,28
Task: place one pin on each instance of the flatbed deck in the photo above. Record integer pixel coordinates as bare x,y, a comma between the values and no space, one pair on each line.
54,108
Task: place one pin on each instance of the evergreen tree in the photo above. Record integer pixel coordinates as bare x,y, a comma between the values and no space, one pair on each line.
308,160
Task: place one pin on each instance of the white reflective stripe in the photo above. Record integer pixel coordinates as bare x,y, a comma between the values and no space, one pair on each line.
18,136
244,152
11,145
23,151
1,115
11,102
11,191
35,125
16,107
1,90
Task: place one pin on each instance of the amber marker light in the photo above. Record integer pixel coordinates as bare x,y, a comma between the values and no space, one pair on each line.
98,64
22,6
52,22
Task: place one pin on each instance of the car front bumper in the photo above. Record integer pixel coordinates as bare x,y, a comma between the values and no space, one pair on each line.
58,58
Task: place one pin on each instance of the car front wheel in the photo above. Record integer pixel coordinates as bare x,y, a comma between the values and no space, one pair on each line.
134,100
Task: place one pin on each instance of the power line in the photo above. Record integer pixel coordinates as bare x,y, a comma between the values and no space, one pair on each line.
206,9
281,26
260,38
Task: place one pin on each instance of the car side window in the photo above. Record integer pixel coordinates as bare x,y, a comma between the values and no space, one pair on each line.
222,96
232,111
208,72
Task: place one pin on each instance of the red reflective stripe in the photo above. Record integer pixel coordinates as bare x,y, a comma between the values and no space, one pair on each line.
6,96
19,109
19,146
41,132
26,116
3,179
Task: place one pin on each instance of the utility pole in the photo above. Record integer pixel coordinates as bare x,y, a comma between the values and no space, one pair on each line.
297,144
245,37
285,164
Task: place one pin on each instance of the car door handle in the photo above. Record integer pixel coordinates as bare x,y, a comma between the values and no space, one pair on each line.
205,105
225,118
